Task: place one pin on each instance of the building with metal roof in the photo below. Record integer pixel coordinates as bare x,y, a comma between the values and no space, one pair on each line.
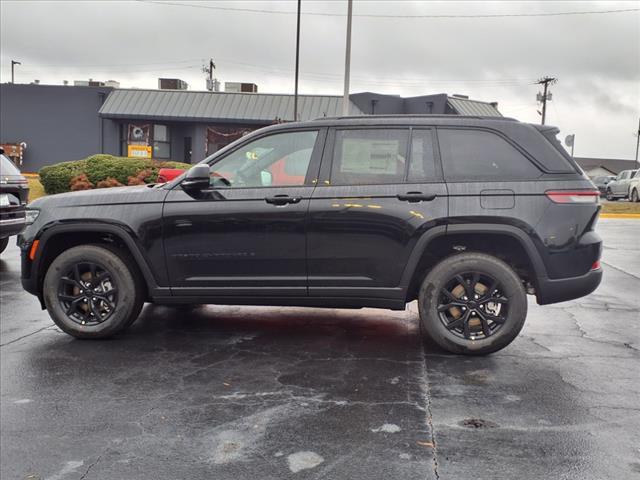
60,123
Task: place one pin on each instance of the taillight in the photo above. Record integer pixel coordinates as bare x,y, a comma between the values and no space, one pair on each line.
574,196
596,265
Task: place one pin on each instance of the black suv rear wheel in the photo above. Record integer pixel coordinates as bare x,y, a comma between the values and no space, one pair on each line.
91,293
472,304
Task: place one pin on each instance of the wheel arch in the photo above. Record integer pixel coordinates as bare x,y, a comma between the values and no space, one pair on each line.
507,242
55,239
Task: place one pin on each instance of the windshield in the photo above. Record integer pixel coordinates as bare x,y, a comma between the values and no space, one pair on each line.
7,168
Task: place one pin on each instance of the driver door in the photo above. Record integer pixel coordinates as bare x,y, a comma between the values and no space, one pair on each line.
246,234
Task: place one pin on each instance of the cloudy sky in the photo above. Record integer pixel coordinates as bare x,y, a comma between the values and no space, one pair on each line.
398,48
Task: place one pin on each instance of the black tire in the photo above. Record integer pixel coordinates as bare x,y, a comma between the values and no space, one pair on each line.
466,265
3,244
127,300
634,196
610,196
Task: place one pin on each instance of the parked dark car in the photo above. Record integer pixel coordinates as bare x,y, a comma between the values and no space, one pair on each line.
14,194
602,182
464,214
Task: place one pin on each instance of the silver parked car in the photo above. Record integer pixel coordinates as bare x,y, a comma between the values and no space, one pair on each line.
619,188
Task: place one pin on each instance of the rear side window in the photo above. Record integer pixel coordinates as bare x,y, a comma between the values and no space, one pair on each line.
422,166
369,156
478,154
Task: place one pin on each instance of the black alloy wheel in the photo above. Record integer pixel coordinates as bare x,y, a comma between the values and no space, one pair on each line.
88,294
472,305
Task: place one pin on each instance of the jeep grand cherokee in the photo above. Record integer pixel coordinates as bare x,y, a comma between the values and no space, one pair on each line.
466,215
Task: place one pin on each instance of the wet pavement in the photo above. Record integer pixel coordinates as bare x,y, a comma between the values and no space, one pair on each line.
266,393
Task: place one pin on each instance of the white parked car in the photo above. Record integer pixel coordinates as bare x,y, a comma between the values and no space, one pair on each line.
620,187
634,187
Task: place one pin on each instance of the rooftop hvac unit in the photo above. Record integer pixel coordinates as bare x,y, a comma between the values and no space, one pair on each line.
172,84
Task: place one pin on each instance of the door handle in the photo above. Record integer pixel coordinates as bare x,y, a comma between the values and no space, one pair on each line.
282,200
415,197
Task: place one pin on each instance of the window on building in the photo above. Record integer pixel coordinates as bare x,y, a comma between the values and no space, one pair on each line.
281,159
161,141
473,154
422,167
369,156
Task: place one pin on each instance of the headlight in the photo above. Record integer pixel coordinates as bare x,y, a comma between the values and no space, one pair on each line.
30,215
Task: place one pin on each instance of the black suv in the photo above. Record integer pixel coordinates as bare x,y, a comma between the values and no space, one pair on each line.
14,193
464,214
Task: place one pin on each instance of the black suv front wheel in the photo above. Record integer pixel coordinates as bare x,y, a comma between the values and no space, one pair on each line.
472,304
91,293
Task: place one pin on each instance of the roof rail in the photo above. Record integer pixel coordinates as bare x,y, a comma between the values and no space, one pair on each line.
422,115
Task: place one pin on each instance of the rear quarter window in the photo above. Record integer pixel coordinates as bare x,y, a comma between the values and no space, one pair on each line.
469,154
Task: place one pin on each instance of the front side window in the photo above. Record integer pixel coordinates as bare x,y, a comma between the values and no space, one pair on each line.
478,154
277,160
371,156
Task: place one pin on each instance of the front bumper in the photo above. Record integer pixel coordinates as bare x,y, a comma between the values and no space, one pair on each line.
564,289
11,226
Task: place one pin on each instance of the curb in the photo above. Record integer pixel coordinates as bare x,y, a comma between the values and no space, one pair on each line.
620,215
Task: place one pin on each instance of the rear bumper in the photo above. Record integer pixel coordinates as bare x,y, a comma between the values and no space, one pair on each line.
563,289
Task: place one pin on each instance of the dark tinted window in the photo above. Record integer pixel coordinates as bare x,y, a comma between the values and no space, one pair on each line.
472,154
370,156
422,164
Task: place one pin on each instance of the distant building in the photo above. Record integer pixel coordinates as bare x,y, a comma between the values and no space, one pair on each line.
600,167
61,123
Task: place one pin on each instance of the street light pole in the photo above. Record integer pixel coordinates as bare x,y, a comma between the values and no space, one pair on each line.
638,141
13,63
295,95
347,62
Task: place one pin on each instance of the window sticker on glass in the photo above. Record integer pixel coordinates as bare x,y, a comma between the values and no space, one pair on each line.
367,156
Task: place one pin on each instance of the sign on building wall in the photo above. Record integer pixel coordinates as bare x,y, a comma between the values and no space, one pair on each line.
139,151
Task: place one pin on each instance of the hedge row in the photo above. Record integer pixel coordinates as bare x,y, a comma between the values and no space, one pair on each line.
100,168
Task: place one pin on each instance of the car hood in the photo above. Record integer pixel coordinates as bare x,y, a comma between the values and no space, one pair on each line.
102,196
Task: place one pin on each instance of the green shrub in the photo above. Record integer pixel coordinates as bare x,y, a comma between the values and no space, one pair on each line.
56,178
98,168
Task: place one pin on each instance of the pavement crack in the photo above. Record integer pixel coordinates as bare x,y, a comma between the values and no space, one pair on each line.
91,465
429,411
26,336
620,270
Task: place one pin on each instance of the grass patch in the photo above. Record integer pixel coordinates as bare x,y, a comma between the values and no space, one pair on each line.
620,207
36,190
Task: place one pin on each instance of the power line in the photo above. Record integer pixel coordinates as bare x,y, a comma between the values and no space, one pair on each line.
372,15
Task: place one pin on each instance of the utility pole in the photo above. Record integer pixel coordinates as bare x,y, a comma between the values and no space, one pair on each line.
13,64
347,61
211,82
546,81
638,141
295,95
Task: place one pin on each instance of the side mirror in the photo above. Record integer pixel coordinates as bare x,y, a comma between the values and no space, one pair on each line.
197,178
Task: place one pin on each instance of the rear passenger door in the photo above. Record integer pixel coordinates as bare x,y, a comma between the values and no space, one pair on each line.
379,190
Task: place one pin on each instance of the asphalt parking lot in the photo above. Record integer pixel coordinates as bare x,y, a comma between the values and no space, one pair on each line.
248,393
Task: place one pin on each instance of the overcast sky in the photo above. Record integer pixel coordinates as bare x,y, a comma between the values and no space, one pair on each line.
595,57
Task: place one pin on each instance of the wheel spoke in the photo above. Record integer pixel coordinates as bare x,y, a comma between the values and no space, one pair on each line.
445,307
73,306
485,325
499,299
76,273
95,310
71,281
474,281
468,290
495,319
466,331
449,295
69,298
